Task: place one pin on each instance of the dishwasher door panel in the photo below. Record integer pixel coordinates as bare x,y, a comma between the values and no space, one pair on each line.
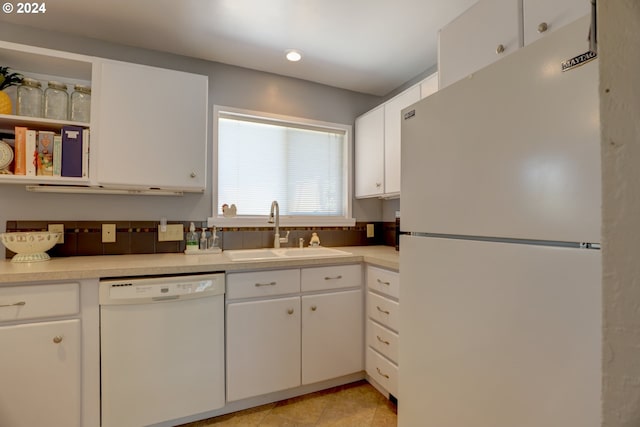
155,355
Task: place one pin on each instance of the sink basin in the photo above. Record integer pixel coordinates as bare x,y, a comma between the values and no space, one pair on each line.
309,252
251,254
282,253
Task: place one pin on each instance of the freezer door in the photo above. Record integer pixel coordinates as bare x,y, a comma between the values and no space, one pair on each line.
499,334
512,151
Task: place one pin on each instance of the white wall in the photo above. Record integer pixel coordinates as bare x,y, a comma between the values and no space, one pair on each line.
228,85
619,52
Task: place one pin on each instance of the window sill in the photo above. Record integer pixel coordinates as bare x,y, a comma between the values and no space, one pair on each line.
262,221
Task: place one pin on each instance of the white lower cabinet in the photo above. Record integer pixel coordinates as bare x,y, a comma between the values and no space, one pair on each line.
41,360
331,326
382,341
263,347
287,337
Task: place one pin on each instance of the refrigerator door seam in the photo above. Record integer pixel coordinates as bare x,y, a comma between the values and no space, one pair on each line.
581,245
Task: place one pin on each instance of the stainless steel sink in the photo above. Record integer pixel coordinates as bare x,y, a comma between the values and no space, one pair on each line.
282,253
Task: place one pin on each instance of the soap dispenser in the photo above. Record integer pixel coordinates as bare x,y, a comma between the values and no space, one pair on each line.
192,238
203,240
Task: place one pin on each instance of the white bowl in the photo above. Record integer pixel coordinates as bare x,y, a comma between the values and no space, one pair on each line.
30,246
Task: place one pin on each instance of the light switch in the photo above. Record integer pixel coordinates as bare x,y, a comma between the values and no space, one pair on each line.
108,233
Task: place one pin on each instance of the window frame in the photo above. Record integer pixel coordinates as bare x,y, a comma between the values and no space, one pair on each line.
285,220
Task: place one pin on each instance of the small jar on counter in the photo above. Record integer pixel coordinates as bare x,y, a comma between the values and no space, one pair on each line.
80,110
56,101
30,98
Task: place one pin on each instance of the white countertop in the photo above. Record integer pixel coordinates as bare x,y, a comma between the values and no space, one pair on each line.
91,267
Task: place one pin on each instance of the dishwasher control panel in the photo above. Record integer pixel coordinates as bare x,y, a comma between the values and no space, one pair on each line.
158,289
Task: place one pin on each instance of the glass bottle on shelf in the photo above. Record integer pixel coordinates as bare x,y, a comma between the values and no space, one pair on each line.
56,101
80,110
30,98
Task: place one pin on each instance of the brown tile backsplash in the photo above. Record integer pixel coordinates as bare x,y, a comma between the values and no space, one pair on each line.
141,237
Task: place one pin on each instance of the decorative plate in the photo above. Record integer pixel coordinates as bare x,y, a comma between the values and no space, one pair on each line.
6,155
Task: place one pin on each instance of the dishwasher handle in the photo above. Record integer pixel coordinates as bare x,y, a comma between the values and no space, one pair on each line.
167,298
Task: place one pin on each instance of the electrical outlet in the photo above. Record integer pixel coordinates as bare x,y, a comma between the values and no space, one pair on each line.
57,228
108,233
370,232
175,232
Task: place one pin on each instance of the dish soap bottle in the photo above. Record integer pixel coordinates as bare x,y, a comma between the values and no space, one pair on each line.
192,238
203,240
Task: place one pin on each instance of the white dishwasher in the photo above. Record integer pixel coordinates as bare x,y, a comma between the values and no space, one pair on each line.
162,348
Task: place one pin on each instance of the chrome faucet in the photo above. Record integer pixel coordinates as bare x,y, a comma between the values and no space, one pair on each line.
277,239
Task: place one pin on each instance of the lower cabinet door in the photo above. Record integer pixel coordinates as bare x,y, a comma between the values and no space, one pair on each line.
332,335
40,371
263,347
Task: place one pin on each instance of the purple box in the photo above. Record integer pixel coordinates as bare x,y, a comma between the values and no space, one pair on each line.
72,151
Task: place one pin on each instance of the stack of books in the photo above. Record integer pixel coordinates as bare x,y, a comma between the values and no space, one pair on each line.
45,153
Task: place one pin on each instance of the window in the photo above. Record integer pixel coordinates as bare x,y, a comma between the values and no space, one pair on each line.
302,164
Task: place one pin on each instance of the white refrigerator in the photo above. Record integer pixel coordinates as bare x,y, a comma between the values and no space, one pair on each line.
500,269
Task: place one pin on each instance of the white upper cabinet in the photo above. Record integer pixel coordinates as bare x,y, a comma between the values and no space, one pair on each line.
42,65
392,122
152,127
369,152
377,142
491,29
544,16
486,32
148,126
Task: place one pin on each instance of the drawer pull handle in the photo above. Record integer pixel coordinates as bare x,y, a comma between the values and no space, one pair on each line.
380,372
265,284
383,282
381,340
333,278
14,304
290,311
314,308
57,339
381,310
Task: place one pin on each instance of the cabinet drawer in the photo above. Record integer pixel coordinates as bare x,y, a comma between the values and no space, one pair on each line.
383,340
337,276
263,283
35,301
384,281
382,371
383,310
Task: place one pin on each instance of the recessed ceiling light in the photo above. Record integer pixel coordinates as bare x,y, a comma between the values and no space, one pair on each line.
293,55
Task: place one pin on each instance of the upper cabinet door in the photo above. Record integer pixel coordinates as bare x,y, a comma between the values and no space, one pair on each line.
486,32
152,127
544,16
369,152
392,122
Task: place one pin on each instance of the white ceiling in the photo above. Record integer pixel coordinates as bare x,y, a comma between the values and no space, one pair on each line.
369,46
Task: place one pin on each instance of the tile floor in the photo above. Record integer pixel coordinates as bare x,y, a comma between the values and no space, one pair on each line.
352,405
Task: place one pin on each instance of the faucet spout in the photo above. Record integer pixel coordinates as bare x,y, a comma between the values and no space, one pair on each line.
275,208
274,217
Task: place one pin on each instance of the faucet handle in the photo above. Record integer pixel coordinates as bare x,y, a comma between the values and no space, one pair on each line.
285,239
